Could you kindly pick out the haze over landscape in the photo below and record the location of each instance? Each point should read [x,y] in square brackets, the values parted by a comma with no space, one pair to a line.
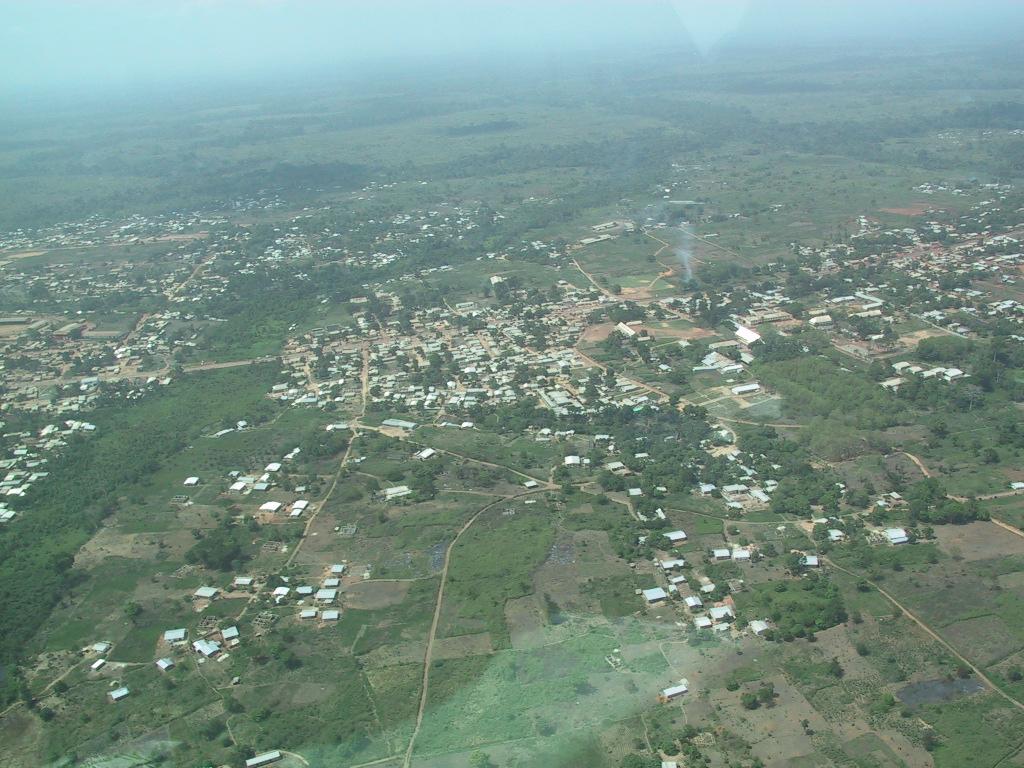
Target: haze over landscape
[97,44]
[511,384]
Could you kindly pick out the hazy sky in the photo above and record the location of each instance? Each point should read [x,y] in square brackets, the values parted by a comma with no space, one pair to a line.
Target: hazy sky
[92,44]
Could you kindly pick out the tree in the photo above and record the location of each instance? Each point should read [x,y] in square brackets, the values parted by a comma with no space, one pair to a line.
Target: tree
[766,693]
[835,668]
[132,610]
[929,740]
[480,759]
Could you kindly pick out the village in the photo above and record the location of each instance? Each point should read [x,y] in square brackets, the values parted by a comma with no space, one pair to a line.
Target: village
[393,385]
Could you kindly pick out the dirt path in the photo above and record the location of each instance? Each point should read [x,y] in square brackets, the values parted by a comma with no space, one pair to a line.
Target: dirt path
[721,248]
[939,327]
[667,273]
[932,634]
[176,290]
[919,464]
[341,464]
[591,279]
[983,497]
[364,379]
[327,497]
[758,423]
[226,364]
[428,654]
[642,385]
[1007,527]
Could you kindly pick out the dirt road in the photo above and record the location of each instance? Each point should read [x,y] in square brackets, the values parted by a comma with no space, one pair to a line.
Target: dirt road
[932,634]
[428,655]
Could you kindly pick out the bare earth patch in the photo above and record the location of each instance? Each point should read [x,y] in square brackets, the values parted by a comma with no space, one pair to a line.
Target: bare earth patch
[598,332]
[910,340]
[914,209]
[978,541]
[462,646]
[987,639]
[663,330]
[373,595]
[109,542]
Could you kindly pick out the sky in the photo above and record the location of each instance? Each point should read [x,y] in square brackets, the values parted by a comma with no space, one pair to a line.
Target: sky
[87,45]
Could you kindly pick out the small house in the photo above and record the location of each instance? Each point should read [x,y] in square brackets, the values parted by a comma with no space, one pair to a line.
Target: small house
[175,635]
[675,537]
[654,595]
[720,613]
[896,536]
[674,691]
[206,647]
[118,693]
[263,759]
[759,627]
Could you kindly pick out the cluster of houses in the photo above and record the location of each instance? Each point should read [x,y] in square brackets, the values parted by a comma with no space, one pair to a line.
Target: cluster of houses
[904,369]
[215,644]
[27,459]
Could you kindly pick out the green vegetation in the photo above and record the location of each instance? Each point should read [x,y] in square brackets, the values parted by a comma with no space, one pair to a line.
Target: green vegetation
[419,256]
[808,606]
[493,562]
[36,556]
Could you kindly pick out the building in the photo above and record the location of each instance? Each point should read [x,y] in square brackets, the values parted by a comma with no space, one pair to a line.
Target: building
[118,693]
[675,691]
[747,335]
[399,424]
[720,613]
[175,635]
[206,647]
[675,537]
[396,492]
[759,627]
[654,595]
[746,389]
[264,759]
[896,536]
